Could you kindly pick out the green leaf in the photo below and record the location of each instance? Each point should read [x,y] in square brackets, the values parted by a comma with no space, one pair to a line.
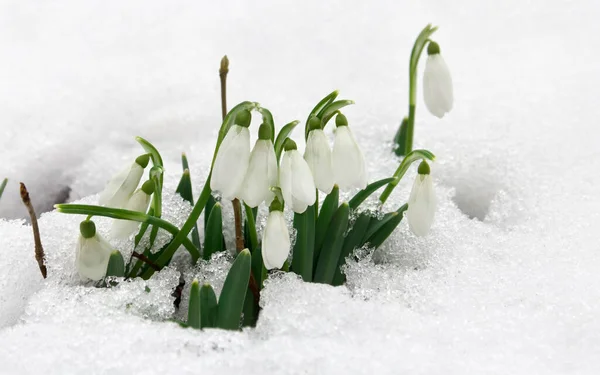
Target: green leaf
[258,267]
[250,236]
[402,168]
[352,241]
[330,205]
[116,265]
[362,195]
[184,162]
[284,133]
[376,223]
[318,108]
[143,228]
[376,239]
[208,307]
[3,186]
[213,242]
[304,248]
[231,301]
[209,205]
[400,138]
[331,109]
[268,119]
[156,175]
[332,246]
[184,189]
[194,306]
[250,311]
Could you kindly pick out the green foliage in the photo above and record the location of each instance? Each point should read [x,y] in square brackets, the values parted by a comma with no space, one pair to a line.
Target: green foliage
[231,301]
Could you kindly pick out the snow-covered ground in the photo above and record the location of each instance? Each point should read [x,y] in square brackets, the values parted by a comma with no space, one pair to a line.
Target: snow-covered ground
[508,282]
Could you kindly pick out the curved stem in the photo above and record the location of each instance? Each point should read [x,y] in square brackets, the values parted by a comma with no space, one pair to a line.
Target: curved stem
[402,168]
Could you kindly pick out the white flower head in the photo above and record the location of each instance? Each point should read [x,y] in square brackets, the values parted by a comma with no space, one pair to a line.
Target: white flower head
[348,161]
[232,158]
[421,203]
[123,184]
[92,253]
[262,171]
[318,156]
[296,180]
[437,83]
[139,202]
[275,239]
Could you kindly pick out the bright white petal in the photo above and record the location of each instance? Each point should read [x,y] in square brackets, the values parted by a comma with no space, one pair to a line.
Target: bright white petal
[139,202]
[285,177]
[437,86]
[261,174]
[231,162]
[421,205]
[92,257]
[348,161]
[121,186]
[318,158]
[303,186]
[276,241]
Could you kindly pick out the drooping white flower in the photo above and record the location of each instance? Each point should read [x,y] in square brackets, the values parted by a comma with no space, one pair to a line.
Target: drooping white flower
[421,203]
[139,202]
[348,161]
[318,156]
[437,83]
[92,252]
[232,159]
[262,171]
[123,184]
[275,240]
[296,180]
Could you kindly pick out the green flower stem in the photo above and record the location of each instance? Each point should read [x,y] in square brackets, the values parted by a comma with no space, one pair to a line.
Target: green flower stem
[251,227]
[410,129]
[2,186]
[83,209]
[402,168]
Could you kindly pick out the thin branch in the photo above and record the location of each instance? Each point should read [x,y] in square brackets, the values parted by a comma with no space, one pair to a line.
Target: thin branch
[146,260]
[39,250]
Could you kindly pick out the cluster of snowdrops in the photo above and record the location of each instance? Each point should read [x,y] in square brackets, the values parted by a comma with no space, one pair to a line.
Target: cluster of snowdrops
[274,173]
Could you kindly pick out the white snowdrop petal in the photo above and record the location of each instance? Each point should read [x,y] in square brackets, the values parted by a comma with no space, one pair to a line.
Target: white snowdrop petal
[285,177]
[261,174]
[318,158]
[139,202]
[276,241]
[348,161]
[421,205]
[231,162]
[437,86]
[92,257]
[303,183]
[121,186]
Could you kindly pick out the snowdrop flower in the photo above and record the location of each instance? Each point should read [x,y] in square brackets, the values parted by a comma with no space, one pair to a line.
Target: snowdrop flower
[262,171]
[139,202]
[296,181]
[422,202]
[122,185]
[318,156]
[437,83]
[348,161]
[275,239]
[232,158]
[93,252]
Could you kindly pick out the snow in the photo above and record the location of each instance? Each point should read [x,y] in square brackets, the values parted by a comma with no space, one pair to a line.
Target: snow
[505,283]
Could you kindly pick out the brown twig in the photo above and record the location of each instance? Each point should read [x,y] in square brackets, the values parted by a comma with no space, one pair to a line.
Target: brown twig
[39,250]
[146,260]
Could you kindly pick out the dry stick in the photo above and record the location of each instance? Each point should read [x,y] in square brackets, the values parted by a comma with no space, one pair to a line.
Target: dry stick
[39,250]
[237,207]
[146,260]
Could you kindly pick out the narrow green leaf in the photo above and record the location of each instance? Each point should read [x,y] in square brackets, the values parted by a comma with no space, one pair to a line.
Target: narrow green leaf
[304,248]
[3,186]
[209,205]
[231,301]
[352,241]
[156,175]
[284,133]
[194,306]
[208,307]
[143,228]
[328,208]
[362,195]
[184,162]
[332,246]
[250,310]
[376,223]
[213,242]
[250,236]
[322,104]
[116,265]
[184,189]
[258,267]
[377,238]
[330,110]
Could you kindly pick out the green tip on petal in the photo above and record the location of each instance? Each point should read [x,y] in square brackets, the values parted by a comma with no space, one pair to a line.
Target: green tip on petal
[424,168]
[148,187]
[433,48]
[87,229]
[289,145]
[264,131]
[276,205]
[143,160]
[341,120]
[243,118]
[314,123]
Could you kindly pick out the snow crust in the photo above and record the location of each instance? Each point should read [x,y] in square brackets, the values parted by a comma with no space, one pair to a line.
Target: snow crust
[507,281]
